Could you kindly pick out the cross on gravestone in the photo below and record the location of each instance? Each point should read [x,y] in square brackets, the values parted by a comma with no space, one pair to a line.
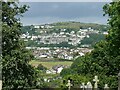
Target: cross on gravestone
[106,87]
[69,85]
[83,86]
[89,86]
[96,82]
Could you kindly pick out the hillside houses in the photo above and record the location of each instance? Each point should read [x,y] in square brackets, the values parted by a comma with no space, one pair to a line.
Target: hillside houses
[46,26]
[72,37]
[62,53]
[58,40]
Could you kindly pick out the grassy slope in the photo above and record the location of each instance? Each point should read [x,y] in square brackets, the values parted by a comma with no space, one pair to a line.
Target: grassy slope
[49,65]
[78,25]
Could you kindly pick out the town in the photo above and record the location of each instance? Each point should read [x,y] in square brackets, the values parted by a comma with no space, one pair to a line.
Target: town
[61,43]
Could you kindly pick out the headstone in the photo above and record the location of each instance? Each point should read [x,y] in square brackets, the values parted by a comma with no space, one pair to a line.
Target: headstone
[69,85]
[96,82]
[106,87]
[89,86]
[45,79]
[48,80]
[83,86]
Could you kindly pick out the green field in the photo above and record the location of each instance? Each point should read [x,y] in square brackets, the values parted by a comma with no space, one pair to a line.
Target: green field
[49,65]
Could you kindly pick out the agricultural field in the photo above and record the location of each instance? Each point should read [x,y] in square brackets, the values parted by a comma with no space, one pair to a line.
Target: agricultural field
[49,65]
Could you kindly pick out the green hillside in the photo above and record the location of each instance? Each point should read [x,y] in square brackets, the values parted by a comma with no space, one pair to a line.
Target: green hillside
[69,27]
[78,25]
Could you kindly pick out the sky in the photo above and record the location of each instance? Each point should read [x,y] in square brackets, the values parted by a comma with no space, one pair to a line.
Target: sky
[65,0]
[50,12]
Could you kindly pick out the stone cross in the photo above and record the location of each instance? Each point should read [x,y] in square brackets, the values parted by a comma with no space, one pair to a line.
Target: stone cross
[96,82]
[89,86]
[45,79]
[69,85]
[83,86]
[106,87]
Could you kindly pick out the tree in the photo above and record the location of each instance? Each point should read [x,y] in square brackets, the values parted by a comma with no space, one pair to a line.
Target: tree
[16,71]
[104,60]
[113,11]
[41,67]
[113,38]
[105,56]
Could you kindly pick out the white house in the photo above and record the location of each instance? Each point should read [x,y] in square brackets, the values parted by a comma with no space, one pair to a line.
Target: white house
[50,72]
[105,33]
[81,54]
[34,37]
[88,36]
[23,36]
[36,26]
[43,56]
[59,69]
[42,27]
[69,57]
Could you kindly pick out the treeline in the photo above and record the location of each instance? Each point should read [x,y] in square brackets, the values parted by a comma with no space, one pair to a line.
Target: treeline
[104,60]
[93,39]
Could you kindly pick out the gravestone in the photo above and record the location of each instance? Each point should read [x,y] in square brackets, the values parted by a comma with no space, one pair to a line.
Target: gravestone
[89,86]
[83,86]
[69,85]
[45,79]
[96,82]
[106,87]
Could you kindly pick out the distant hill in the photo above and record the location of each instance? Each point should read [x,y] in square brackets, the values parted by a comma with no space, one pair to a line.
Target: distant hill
[78,25]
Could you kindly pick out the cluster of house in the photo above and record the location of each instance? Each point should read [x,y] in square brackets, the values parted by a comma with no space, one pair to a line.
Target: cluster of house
[56,69]
[46,26]
[56,52]
[72,38]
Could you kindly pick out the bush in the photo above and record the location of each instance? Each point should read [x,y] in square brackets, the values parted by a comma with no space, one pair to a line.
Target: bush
[41,67]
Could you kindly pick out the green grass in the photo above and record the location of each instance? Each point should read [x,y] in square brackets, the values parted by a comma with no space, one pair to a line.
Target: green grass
[49,65]
[78,25]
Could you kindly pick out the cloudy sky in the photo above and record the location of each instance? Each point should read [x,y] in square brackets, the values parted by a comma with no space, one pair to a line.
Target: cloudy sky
[49,12]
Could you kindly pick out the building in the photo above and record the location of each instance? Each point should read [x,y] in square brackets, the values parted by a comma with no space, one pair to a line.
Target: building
[36,26]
